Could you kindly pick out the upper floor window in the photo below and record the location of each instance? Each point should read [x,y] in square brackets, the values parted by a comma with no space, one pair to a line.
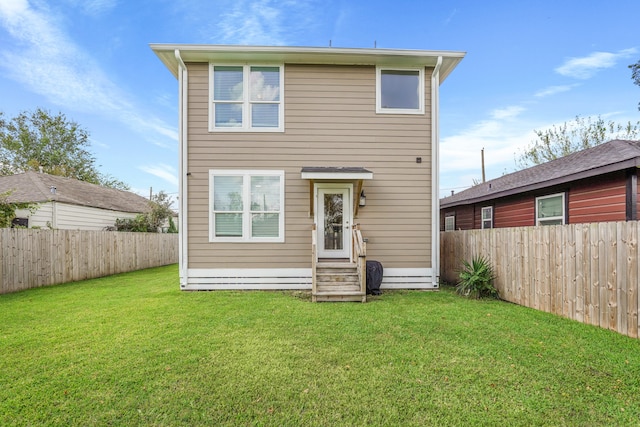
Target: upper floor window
[487,217]
[246,98]
[550,209]
[246,206]
[400,90]
[449,223]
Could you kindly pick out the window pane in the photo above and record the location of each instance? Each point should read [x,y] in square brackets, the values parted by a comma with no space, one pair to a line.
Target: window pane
[486,213]
[265,83]
[228,225]
[265,225]
[399,89]
[227,193]
[549,207]
[227,83]
[550,222]
[228,115]
[265,193]
[264,115]
[449,223]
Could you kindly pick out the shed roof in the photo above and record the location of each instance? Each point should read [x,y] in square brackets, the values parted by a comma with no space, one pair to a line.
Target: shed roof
[611,156]
[34,187]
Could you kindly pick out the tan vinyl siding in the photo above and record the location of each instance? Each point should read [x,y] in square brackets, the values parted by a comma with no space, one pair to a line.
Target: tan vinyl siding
[330,120]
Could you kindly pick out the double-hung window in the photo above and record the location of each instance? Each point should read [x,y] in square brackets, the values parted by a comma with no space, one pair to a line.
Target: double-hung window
[449,223]
[487,217]
[400,90]
[246,98]
[246,206]
[550,209]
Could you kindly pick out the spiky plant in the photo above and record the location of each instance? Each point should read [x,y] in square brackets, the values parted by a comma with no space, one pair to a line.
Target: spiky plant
[476,279]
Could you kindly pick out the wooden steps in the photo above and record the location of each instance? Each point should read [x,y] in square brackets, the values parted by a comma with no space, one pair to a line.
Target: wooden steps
[337,281]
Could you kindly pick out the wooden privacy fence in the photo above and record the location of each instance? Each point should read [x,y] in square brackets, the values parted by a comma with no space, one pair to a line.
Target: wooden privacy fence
[586,272]
[32,258]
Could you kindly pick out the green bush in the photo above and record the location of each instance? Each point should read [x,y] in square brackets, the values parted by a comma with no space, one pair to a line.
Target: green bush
[476,279]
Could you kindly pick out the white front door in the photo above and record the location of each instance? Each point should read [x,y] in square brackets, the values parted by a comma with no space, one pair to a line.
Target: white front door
[334,221]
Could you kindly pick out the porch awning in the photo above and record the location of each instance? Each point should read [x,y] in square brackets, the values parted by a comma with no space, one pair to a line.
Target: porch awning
[339,174]
[346,173]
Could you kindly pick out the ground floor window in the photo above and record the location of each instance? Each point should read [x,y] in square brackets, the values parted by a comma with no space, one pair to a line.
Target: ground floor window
[246,206]
[449,223]
[550,209]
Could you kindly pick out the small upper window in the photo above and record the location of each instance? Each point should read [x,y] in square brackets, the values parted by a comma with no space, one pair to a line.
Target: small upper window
[400,91]
[449,223]
[246,98]
[487,217]
[550,210]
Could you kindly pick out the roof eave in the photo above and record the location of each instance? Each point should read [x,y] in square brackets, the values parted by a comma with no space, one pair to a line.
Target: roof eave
[306,55]
[614,167]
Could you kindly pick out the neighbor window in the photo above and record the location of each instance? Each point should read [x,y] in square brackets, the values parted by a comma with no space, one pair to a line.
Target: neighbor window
[449,223]
[246,98]
[487,217]
[400,91]
[550,209]
[246,206]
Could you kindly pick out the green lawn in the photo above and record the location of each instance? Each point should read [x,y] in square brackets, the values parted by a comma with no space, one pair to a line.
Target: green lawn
[132,349]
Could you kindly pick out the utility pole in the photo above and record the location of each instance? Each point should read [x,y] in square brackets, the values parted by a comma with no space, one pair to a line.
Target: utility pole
[482,156]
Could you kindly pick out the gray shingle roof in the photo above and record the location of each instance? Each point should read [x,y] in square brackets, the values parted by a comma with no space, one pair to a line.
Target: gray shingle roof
[33,187]
[604,158]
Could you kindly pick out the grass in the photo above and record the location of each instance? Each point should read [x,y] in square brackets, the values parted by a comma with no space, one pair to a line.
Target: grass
[132,349]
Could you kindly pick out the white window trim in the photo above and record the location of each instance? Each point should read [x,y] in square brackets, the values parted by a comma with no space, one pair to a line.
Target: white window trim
[246,213]
[483,219]
[451,227]
[551,218]
[381,110]
[246,102]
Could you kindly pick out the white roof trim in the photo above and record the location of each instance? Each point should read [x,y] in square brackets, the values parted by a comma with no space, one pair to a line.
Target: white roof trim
[306,55]
[336,175]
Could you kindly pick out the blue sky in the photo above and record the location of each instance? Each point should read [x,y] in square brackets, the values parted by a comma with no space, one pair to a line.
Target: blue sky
[529,65]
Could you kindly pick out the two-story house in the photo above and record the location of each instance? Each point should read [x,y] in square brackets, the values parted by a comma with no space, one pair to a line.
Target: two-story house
[289,155]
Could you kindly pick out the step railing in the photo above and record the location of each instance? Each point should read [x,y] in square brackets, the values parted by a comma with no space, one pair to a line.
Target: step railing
[360,256]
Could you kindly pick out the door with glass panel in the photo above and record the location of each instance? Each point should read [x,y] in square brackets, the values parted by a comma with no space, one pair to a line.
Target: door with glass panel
[334,222]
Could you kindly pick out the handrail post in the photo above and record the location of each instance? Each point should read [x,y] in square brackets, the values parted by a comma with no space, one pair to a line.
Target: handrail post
[314,260]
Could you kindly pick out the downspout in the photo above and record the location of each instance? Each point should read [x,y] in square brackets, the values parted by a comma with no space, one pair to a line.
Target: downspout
[435,173]
[183,252]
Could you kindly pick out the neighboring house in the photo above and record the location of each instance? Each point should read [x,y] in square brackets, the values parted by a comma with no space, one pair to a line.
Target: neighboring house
[593,185]
[66,203]
[276,139]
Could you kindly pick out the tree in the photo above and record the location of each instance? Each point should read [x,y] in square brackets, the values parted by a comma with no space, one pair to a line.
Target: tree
[635,75]
[151,221]
[39,140]
[8,209]
[577,135]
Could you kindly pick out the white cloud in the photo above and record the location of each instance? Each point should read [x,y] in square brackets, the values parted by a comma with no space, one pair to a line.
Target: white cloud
[502,136]
[450,17]
[50,64]
[507,113]
[94,7]
[265,22]
[585,67]
[552,90]
[162,171]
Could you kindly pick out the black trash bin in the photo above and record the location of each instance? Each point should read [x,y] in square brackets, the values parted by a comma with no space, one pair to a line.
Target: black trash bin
[374,277]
